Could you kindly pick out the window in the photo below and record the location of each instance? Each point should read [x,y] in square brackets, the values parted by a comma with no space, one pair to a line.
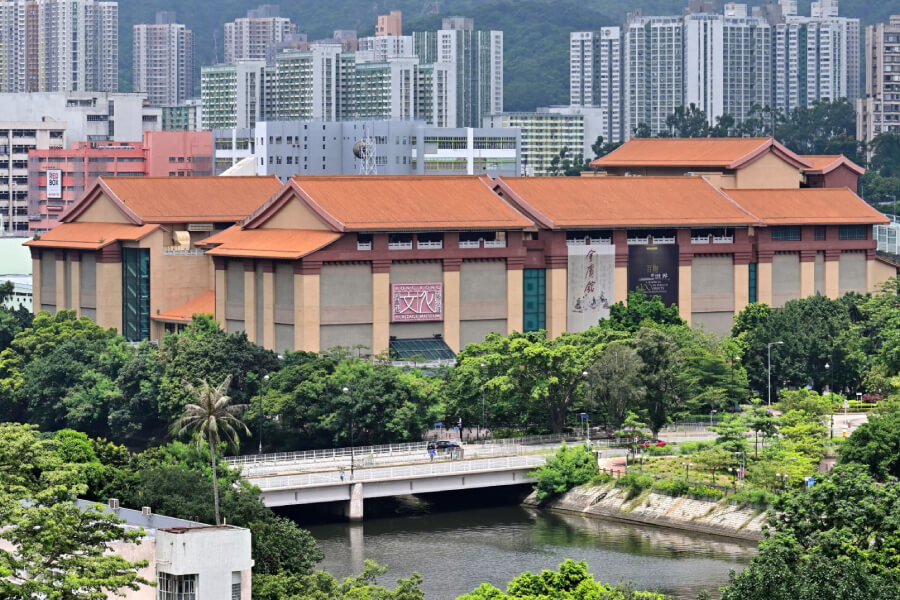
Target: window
[136,294]
[852,232]
[819,233]
[179,587]
[751,280]
[534,300]
[785,234]
[363,241]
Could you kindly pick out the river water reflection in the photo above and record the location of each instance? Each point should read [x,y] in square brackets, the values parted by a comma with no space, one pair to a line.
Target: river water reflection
[456,551]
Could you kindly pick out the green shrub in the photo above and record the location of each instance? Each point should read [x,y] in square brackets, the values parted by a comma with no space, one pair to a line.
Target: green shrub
[568,468]
[698,490]
[755,496]
[634,483]
[657,451]
[673,487]
[601,478]
[686,448]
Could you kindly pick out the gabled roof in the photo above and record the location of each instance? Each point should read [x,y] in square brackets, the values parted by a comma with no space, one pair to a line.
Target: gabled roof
[397,203]
[824,164]
[721,153]
[290,244]
[179,199]
[807,206]
[202,304]
[581,202]
[91,236]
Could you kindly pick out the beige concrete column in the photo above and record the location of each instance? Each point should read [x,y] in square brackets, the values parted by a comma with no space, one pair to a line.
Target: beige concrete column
[872,282]
[250,302]
[61,300]
[807,273]
[381,310]
[684,292]
[221,290]
[451,309]
[109,295]
[741,287]
[515,309]
[556,301]
[307,312]
[268,294]
[764,283]
[620,285]
[75,291]
[36,284]
[832,276]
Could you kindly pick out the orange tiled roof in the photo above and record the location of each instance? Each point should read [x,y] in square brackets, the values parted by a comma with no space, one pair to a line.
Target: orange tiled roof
[91,236]
[385,203]
[724,153]
[203,304]
[563,202]
[808,206]
[187,199]
[826,163]
[288,244]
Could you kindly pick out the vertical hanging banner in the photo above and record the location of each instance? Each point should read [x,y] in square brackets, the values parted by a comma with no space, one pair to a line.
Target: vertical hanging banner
[54,183]
[591,280]
[654,270]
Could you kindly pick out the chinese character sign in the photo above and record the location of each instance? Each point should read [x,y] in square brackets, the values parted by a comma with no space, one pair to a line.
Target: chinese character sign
[417,302]
[54,183]
[590,285]
[654,269]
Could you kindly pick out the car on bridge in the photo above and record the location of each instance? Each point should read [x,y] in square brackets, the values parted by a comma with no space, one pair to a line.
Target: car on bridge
[651,442]
[443,445]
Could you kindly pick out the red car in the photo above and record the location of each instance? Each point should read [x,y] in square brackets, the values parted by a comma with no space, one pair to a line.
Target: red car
[648,442]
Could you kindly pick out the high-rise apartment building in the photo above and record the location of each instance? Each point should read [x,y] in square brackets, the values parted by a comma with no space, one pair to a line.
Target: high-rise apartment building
[163,61]
[543,135]
[59,45]
[477,57]
[233,95]
[391,25]
[595,77]
[256,36]
[654,70]
[17,138]
[879,111]
[814,58]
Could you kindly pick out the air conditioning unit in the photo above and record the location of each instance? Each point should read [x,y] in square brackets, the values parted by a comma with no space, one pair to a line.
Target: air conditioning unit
[200,227]
[114,504]
[145,510]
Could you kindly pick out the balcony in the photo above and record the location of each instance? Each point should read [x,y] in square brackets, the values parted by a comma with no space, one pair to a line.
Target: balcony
[703,239]
[495,243]
[639,240]
[182,251]
[592,241]
[723,239]
[470,244]
[364,246]
[401,245]
[430,245]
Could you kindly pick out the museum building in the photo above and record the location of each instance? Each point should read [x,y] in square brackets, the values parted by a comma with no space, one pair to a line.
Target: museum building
[428,264]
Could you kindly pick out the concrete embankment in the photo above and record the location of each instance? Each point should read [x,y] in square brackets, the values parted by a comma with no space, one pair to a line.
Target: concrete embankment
[703,516]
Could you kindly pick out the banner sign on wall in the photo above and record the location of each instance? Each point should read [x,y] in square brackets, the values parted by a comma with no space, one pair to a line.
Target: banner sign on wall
[591,280]
[54,183]
[654,269]
[412,302]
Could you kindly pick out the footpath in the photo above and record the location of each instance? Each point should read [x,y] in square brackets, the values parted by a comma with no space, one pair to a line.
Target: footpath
[651,508]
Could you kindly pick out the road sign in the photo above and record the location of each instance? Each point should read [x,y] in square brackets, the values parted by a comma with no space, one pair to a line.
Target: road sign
[439,424]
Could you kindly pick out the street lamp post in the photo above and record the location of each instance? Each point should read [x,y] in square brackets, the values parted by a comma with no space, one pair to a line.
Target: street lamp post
[349,391]
[831,396]
[733,357]
[769,367]
[587,379]
[481,433]
[266,380]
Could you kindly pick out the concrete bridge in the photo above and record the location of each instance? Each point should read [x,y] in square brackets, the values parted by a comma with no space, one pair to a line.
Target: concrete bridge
[378,482]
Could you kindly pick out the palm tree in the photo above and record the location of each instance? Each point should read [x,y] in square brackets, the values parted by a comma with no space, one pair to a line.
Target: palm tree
[212,417]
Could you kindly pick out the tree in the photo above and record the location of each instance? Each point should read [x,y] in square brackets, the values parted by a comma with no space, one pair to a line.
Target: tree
[601,148]
[759,421]
[642,131]
[55,548]
[280,546]
[572,581]
[639,310]
[876,444]
[615,383]
[688,122]
[211,418]
[322,585]
[886,154]
[568,468]
[660,375]
[838,539]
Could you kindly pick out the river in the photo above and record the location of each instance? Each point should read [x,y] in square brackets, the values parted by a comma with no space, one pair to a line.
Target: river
[456,551]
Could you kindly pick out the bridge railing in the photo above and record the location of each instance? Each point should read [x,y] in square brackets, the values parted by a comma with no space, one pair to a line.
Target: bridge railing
[399,473]
[325,453]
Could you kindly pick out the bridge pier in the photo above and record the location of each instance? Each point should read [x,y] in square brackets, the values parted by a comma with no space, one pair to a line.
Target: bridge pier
[355,504]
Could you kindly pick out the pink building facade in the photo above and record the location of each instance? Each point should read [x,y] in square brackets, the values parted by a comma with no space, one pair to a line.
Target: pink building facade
[58,177]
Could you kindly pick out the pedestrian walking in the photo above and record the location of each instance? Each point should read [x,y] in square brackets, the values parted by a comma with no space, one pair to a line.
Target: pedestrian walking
[342,474]
[431,454]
